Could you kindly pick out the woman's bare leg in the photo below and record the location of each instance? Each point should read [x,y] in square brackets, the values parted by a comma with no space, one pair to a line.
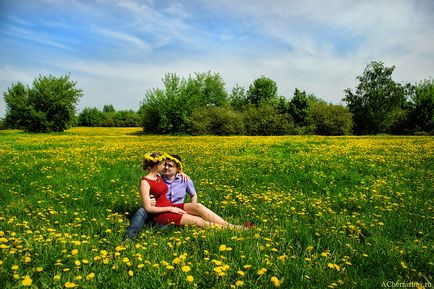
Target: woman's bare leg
[206,214]
[188,219]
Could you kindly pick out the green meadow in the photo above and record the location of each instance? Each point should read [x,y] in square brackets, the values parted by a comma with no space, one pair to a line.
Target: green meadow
[330,212]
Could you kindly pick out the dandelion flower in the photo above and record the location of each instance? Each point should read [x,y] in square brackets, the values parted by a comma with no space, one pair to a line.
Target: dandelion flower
[74,252]
[70,285]
[27,281]
[186,269]
[275,281]
[130,273]
[261,271]
[90,276]
[222,248]
[189,278]
[239,283]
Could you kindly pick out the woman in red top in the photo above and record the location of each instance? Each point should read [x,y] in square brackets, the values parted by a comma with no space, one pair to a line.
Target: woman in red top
[164,212]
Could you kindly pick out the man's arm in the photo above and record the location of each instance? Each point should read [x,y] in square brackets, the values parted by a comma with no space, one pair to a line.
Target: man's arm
[191,191]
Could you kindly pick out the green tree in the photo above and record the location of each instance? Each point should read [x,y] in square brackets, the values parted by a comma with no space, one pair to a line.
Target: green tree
[17,106]
[377,100]
[238,98]
[262,90]
[299,108]
[211,88]
[49,106]
[108,108]
[90,117]
[421,115]
[169,110]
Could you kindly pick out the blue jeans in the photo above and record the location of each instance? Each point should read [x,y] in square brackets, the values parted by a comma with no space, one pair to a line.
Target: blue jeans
[137,222]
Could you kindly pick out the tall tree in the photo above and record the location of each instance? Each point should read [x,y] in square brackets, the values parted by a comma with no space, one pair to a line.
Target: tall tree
[49,106]
[299,108]
[376,101]
[17,106]
[261,90]
[238,98]
[421,115]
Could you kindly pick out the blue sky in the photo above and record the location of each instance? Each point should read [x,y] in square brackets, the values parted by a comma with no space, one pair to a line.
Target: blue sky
[118,49]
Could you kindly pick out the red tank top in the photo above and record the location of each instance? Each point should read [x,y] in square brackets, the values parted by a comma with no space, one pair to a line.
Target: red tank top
[159,190]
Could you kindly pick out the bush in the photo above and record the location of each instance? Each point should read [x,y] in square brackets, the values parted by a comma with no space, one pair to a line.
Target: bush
[216,120]
[90,117]
[329,119]
[266,120]
[2,124]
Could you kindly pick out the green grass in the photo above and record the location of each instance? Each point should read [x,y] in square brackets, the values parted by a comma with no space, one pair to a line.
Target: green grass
[330,212]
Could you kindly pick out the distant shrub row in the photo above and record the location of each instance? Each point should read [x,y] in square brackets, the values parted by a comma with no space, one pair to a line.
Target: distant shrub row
[200,104]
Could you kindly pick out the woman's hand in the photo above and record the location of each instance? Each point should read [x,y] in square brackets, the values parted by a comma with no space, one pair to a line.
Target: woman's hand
[177,210]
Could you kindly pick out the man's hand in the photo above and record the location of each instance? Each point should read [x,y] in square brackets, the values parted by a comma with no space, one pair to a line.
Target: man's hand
[184,177]
[153,201]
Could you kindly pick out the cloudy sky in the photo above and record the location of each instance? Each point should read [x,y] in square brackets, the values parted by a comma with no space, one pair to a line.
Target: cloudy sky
[117,49]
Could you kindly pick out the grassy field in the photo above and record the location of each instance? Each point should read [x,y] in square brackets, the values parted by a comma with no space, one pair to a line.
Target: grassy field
[330,212]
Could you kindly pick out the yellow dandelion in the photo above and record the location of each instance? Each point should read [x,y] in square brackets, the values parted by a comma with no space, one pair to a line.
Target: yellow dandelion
[403,265]
[261,271]
[189,278]
[176,260]
[90,276]
[74,252]
[70,285]
[56,278]
[241,273]
[239,283]
[130,273]
[27,281]
[77,263]
[39,269]
[222,248]
[186,269]
[15,267]
[275,281]
[170,267]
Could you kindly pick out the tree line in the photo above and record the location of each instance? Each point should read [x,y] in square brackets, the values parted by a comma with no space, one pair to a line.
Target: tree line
[200,104]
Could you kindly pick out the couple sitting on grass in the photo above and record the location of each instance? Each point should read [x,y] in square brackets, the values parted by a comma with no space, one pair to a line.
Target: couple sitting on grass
[163,197]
